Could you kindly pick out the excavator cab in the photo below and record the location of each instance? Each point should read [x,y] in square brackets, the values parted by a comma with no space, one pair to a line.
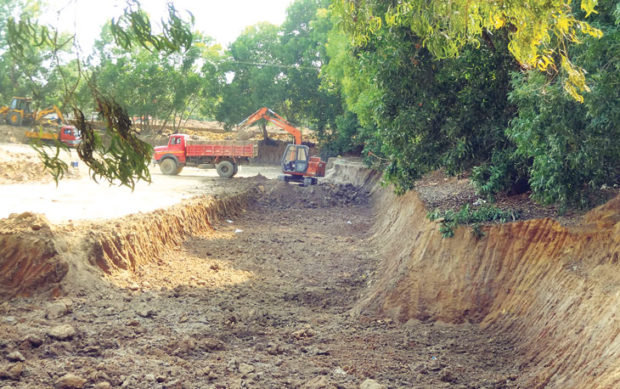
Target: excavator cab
[295,159]
[299,167]
[21,104]
[19,111]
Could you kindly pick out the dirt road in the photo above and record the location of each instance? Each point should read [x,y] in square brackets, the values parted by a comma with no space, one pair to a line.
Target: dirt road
[260,302]
[78,197]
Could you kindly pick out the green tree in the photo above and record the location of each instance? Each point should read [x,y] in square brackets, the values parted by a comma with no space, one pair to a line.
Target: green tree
[540,31]
[169,88]
[28,72]
[119,157]
[303,51]
[420,114]
[280,68]
[573,148]
[255,74]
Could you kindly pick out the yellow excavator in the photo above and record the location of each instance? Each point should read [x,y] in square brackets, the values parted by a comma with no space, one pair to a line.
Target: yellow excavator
[20,112]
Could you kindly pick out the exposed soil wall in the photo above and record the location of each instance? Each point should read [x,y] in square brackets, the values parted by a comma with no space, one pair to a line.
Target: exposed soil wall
[29,254]
[31,260]
[131,241]
[552,290]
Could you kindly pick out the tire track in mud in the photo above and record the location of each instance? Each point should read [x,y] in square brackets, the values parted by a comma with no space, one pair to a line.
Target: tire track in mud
[261,301]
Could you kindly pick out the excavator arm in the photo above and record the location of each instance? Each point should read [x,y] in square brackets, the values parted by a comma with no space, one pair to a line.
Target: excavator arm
[43,112]
[269,115]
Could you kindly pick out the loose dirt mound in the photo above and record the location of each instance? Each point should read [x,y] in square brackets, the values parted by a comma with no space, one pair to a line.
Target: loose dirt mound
[13,134]
[29,254]
[292,196]
[21,167]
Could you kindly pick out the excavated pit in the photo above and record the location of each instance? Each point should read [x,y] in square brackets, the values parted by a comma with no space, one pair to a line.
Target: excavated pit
[283,286]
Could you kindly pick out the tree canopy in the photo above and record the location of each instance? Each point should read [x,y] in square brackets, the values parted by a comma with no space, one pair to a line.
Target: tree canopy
[540,31]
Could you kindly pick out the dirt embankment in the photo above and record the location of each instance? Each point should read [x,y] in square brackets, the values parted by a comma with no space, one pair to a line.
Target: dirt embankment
[552,290]
[31,260]
[29,254]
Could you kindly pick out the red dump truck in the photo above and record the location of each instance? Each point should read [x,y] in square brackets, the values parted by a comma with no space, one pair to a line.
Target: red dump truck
[225,156]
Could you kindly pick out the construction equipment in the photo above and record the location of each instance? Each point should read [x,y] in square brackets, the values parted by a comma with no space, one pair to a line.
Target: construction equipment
[68,135]
[20,112]
[225,156]
[296,163]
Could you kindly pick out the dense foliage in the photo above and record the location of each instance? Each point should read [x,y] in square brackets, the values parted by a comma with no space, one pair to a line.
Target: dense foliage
[574,148]
[420,114]
[539,30]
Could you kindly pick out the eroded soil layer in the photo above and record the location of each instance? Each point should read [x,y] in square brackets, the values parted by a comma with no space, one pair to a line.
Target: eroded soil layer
[553,290]
[261,299]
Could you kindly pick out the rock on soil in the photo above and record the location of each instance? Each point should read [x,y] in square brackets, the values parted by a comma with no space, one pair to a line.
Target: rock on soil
[372,384]
[62,332]
[34,340]
[246,369]
[15,356]
[58,309]
[317,383]
[12,372]
[70,381]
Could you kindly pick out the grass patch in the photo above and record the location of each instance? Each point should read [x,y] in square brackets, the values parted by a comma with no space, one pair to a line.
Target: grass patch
[472,216]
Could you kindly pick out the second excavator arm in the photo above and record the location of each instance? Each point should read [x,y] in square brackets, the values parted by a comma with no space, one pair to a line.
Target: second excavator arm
[269,115]
[53,109]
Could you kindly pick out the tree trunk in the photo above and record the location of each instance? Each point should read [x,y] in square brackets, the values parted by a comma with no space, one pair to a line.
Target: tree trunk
[263,127]
[266,139]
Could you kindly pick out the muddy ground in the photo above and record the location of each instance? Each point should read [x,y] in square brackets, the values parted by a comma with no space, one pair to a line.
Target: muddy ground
[261,301]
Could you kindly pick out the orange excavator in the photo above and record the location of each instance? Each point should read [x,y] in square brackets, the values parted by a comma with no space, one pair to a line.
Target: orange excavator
[296,163]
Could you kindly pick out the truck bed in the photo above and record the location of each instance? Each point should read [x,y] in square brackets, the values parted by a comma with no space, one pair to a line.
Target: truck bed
[41,135]
[222,148]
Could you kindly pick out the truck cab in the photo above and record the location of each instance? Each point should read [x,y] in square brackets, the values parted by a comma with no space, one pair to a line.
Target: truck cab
[70,136]
[175,149]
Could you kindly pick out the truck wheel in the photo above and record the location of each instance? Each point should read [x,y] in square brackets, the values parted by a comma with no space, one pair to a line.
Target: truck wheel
[14,119]
[225,169]
[168,166]
[236,170]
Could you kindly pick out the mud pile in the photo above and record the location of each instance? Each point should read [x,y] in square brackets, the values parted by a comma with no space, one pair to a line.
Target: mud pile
[29,254]
[21,167]
[292,196]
